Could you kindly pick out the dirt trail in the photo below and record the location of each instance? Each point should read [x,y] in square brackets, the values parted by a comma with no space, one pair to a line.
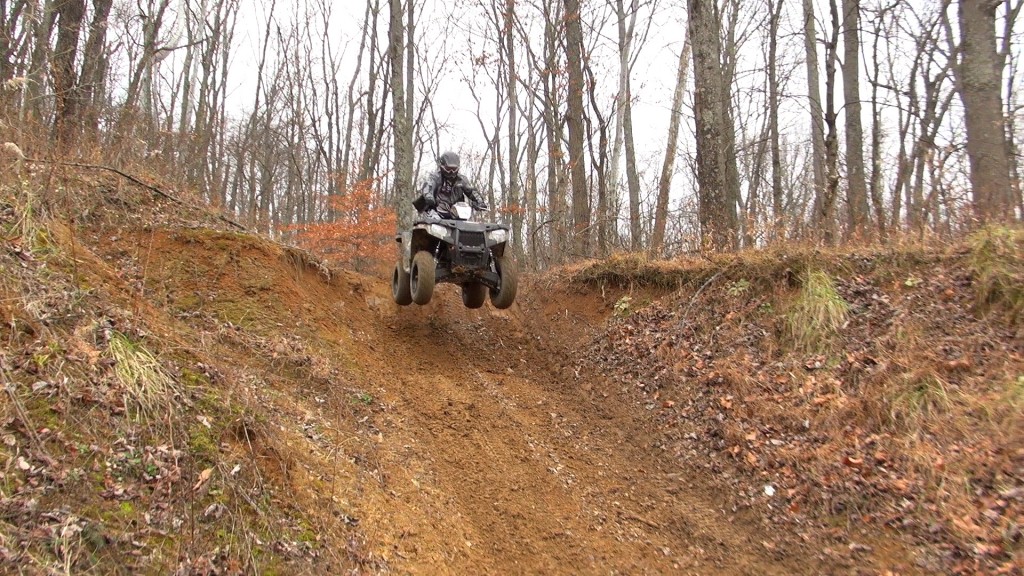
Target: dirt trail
[482,447]
[525,468]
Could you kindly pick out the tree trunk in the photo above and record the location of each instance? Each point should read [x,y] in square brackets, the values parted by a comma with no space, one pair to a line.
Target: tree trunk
[778,217]
[514,189]
[875,182]
[632,177]
[574,119]
[94,66]
[980,82]
[599,163]
[553,133]
[667,167]
[369,132]
[142,70]
[532,178]
[11,21]
[45,17]
[716,196]
[401,124]
[814,103]
[70,14]
[624,120]
[856,186]
[825,215]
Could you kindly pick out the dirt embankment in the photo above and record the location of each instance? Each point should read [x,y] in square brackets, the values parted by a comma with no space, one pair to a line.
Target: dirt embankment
[309,425]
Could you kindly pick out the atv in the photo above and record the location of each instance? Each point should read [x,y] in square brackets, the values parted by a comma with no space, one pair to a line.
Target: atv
[458,251]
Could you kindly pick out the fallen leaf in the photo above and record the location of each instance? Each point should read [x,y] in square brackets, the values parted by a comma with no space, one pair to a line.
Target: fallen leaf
[855,547]
[967,525]
[853,462]
[900,485]
[204,477]
[959,364]
[987,549]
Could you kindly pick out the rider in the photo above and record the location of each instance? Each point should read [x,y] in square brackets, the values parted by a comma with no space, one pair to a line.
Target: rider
[442,189]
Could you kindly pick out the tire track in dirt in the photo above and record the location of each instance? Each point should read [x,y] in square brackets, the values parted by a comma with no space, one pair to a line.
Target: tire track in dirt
[539,476]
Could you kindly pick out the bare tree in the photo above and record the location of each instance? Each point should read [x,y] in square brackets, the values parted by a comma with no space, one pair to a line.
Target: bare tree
[856,185]
[514,189]
[626,25]
[814,104]
[93,79]
[717,193]
[980,79]
[574,119]
[880,20]
[401,122]
[774,15]
[41,17]
[825,213]
[151,50]
[667,167]
[12,35]
[70,14]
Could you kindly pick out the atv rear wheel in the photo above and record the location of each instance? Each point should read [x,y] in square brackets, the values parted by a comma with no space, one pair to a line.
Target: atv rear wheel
[474,294]
[508,272]
[400,289]
[421,277]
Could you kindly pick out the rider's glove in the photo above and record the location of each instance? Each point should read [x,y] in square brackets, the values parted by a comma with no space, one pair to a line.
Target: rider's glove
[480,206]
[429,201]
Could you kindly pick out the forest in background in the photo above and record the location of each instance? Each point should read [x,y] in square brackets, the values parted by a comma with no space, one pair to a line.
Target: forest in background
[830,122]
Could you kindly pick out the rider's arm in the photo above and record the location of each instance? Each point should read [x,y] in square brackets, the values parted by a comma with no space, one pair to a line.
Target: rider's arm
[474,196]
[427,192]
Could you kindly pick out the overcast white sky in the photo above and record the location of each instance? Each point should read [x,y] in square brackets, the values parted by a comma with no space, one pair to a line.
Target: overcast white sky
[450,32]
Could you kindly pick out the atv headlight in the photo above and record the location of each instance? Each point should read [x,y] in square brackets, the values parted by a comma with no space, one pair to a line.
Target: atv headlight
[497,236]
[437,231]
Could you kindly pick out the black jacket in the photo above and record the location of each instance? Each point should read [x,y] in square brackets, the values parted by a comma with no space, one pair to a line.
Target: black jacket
[442,193]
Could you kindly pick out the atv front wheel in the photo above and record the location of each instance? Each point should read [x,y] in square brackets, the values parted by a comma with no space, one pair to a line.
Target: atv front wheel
[421,277]
[474,295]
[400,290]
[508,272]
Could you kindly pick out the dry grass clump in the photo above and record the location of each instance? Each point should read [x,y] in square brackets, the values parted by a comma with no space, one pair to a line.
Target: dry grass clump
[817,314]
[919,396]
[997,261]
[634,270]
[146,383]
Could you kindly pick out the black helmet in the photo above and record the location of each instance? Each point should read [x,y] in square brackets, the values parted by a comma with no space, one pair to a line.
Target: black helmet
[448,163]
